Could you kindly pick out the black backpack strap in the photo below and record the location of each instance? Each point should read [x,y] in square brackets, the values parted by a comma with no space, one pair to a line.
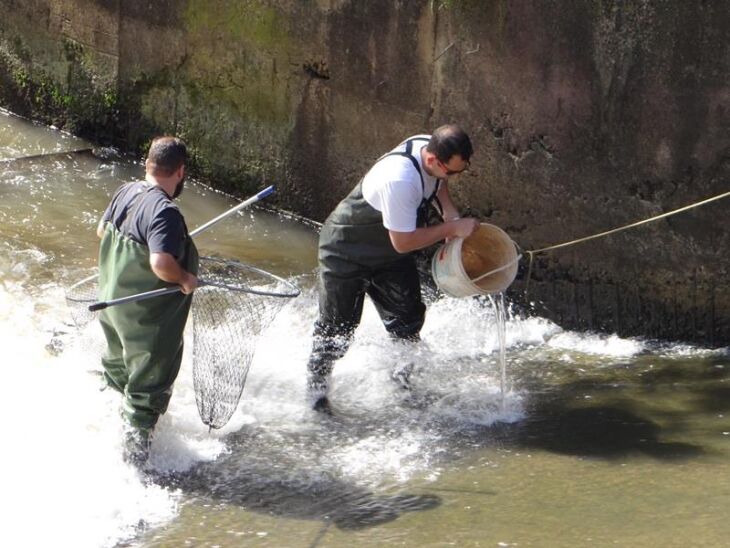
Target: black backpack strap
[435,199]
[408,153]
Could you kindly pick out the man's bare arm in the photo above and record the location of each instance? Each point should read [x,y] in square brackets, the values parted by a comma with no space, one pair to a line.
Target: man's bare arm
[166,268]
[404,242]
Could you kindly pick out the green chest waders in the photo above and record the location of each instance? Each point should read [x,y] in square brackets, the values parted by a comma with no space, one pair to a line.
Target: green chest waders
[144,338]
[356,257]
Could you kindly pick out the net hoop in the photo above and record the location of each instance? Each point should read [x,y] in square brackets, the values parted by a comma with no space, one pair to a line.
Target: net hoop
[289,290]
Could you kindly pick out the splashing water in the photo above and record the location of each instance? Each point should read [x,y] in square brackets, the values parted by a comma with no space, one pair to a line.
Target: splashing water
[500,321]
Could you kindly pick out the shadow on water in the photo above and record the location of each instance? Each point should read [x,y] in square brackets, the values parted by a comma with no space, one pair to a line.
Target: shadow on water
[286,475]
[702,383]
[608,432]
[607,414]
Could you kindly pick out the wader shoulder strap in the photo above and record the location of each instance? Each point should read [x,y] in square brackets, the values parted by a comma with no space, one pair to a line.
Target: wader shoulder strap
[435,199]
[408,153]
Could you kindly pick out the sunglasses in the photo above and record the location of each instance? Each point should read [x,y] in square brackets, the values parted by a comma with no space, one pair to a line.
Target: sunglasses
[450,172]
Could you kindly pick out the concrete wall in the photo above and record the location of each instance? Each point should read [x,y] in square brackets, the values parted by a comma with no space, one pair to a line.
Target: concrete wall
[585,116]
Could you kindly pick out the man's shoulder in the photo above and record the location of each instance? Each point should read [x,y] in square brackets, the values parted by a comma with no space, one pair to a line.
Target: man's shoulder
[417,141]
[128,188]
[162,204]
[396,169]
[125,195]
[157,206]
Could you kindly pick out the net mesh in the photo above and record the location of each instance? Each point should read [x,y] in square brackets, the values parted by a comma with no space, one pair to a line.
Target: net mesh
[78,298]
[228,316]
[227,322]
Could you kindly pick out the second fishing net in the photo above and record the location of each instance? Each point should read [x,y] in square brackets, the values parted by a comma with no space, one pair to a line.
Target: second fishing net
[229,315]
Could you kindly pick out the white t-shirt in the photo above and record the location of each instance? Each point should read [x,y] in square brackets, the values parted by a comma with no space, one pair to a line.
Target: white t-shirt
[393,187]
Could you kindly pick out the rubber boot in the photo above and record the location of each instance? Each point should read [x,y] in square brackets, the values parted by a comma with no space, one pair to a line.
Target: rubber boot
[136,450]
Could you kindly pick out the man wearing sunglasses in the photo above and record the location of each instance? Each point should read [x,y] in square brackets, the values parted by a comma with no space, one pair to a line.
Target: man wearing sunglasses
[365,246]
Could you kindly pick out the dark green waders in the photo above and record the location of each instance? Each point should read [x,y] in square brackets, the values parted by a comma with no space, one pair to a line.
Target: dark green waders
[144,338]
[356,257]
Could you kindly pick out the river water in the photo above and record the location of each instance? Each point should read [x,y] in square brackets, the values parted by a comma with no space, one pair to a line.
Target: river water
[597,441]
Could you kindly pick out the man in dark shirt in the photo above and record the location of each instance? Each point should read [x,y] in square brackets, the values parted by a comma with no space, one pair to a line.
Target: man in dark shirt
[145,245]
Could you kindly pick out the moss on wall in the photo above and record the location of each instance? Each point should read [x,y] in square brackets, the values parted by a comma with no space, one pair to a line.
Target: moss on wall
[254,22]
[237,52]
[77,104]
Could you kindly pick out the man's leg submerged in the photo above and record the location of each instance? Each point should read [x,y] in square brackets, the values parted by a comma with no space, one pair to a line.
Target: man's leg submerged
[329,344]
[341,298]
[396,293]
[146,397]
[152,363]
[149,389]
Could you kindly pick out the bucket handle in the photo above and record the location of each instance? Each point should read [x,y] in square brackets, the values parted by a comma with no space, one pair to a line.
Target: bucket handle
[503,267]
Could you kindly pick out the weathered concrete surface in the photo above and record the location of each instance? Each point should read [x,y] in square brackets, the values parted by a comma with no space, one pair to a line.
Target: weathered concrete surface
[585,116]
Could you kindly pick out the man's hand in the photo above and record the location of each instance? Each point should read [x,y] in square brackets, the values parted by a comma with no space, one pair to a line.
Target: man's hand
[166,268]
[404,242]
[463,228]
[189,283]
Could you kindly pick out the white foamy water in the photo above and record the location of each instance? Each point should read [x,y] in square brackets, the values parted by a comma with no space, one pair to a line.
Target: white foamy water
[62,466]
[63,461]
[596,344]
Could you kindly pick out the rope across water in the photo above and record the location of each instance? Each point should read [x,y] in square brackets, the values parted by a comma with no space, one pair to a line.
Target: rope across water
[534,252]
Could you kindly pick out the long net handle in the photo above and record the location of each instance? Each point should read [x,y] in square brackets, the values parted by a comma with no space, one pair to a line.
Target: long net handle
[253,199]
[260,196]
[101,305]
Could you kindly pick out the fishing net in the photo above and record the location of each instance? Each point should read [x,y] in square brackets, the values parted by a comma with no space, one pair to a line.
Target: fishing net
[229,314]
[79,297]
[233,305]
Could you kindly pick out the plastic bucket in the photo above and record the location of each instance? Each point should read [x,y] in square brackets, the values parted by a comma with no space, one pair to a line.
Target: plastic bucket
[484,263]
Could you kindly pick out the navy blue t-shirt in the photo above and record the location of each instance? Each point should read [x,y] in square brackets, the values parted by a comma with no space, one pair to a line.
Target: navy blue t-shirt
[154,219]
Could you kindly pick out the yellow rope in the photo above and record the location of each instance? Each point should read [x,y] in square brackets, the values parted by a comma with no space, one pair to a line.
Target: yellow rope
[533,252]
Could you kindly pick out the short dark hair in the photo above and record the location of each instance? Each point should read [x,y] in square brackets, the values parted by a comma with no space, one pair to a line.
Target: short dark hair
[449,140]
[166,155]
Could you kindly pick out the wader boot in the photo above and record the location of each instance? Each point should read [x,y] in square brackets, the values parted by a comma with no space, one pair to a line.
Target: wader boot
[136,448]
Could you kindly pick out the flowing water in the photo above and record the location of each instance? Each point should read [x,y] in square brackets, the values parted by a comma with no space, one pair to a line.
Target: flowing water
[586,440]
[500,326]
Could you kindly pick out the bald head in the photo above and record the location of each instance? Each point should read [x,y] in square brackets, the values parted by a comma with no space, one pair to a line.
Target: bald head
[448,140]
